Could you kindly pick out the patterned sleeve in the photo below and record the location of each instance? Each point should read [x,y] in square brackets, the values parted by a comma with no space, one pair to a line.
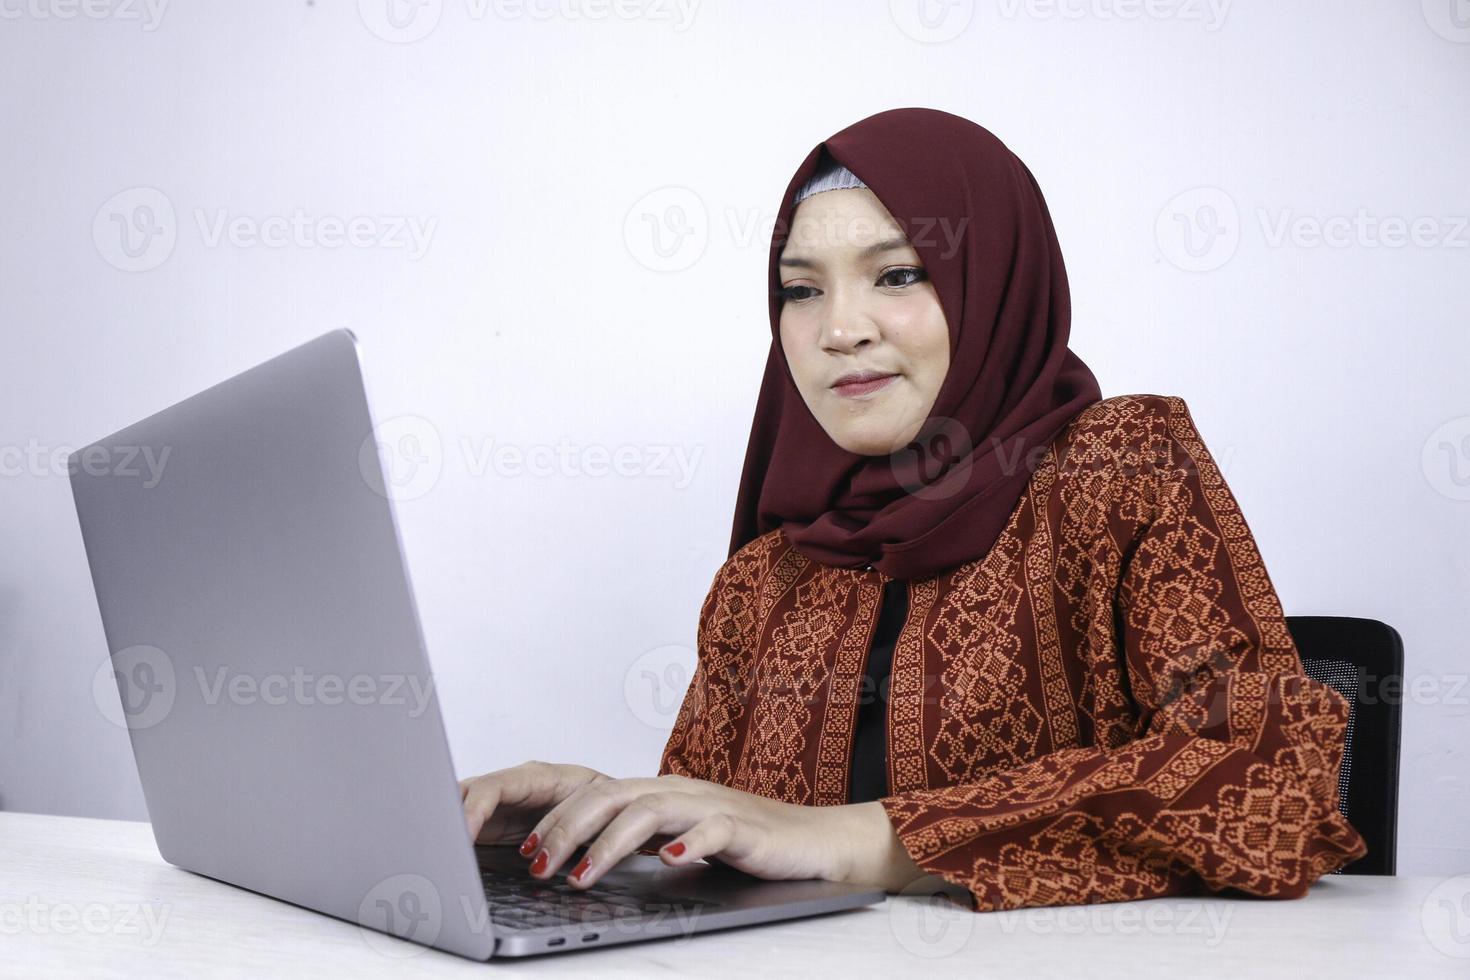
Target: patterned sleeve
[1231,779]
[693,749]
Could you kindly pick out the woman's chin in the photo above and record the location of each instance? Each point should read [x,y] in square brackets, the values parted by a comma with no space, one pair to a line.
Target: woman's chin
[869,440]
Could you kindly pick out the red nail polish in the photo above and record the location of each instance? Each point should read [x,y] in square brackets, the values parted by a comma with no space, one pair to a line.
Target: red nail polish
[581,867]
[539,865]
[675,849]
[529,844]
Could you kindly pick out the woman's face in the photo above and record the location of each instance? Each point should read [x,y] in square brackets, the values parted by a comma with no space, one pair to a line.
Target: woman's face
[856,300]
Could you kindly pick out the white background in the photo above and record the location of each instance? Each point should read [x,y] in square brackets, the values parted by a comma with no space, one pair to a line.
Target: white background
[1328,379]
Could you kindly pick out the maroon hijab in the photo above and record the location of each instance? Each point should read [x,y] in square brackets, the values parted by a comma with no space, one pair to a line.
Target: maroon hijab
[975,215]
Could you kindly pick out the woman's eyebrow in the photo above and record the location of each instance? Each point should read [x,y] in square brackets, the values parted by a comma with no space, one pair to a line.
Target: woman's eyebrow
[887,245]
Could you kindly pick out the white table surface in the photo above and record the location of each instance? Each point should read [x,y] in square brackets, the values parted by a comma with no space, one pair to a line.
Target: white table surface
[93,898]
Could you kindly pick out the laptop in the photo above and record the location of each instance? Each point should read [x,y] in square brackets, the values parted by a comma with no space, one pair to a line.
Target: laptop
[272,675]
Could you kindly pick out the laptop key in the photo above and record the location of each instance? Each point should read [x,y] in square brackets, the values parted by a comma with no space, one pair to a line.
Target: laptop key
[518,902]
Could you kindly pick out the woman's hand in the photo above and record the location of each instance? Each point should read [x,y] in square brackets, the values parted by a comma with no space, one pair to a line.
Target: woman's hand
[500,806]
[760,836]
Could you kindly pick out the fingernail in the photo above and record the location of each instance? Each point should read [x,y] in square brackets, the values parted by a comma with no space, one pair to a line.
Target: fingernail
[675,849]
[539,865]
[581,867]
[529,844]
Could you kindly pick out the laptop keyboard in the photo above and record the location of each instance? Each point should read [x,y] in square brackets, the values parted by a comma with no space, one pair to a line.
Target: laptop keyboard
[522,902]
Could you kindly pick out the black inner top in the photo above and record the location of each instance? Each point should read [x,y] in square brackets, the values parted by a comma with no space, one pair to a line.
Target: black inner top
[870,742]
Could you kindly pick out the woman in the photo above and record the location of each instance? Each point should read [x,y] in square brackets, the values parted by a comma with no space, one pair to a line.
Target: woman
[977,621]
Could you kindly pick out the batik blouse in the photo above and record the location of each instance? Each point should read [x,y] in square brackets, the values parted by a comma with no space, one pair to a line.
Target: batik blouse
[1106,706]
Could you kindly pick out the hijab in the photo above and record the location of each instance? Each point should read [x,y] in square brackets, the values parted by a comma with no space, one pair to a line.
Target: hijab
[975,215]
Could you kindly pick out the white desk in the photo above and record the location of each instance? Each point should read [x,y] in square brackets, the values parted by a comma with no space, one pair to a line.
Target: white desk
[93,898]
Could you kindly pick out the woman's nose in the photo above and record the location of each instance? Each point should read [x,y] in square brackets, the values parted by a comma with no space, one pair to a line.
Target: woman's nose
[846,326]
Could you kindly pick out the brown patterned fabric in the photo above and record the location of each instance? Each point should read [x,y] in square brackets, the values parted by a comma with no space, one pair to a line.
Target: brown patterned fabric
[1107,706]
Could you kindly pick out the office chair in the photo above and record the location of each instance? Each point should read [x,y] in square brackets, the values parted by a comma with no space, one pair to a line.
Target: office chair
[1363,660]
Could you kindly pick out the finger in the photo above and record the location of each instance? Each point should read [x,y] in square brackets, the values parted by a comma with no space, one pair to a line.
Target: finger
[640,819]
[577,818]
[536,784]
[555,786]
[717,833]
[479,803]
[551,842]
[522,785]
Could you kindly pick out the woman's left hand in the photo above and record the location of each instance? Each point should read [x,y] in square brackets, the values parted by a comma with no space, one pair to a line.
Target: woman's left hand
[763,837]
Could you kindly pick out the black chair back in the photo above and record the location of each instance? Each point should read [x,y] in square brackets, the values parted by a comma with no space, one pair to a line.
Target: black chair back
[1363,660]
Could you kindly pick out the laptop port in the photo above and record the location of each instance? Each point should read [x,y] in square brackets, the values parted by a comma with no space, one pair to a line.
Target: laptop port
[590,937]
[560,940]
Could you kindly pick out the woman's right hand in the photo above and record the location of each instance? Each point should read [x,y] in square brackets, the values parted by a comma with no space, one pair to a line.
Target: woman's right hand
[503,806]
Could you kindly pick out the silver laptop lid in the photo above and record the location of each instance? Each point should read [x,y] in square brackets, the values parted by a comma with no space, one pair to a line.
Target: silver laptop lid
[268,654]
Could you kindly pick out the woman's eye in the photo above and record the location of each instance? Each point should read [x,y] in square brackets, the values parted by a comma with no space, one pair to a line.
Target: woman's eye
[792,293]
[895,278]
[916,274]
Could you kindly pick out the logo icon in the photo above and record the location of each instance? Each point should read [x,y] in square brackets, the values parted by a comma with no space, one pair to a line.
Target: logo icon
[929,924]
[1450,19]
[654,685]
[936,463]
[667,230]
[135,230]
[1446,917]
[407,906]
[135,687]
[932,21]
[1199,229]
[401,459]
[401,21]
[1446,459]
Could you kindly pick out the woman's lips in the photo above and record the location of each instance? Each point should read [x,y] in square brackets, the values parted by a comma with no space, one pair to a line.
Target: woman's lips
[858,388]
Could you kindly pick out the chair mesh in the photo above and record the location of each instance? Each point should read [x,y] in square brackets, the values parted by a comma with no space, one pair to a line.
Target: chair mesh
[1342,677]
